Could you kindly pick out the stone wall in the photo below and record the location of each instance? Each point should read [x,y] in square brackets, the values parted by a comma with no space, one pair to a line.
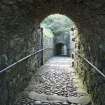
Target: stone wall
[90,48]
[91,40]
[18,38]
[48,43]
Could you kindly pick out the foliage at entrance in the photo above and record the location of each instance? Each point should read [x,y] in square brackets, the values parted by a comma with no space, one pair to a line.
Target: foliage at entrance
[57,23]
[47,32]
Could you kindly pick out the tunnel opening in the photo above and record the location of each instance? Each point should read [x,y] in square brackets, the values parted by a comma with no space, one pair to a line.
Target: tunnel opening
[19,33]
[58,34]
[60,37]
[60,49]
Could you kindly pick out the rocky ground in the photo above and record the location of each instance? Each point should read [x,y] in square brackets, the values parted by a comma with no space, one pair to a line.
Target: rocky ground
[56,78]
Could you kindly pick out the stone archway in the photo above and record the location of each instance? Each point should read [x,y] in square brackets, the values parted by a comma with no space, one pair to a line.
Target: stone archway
[88,15]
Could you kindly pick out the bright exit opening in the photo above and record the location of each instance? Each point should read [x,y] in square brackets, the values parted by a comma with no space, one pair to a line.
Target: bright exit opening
[59,34]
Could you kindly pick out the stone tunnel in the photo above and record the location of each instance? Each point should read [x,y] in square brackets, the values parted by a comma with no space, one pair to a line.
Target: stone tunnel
[20,35]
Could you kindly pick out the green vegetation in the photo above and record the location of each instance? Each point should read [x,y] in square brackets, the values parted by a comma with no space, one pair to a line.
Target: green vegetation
[57,23]
[47,32]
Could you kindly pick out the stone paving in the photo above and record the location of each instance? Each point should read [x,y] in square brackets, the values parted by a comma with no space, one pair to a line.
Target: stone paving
[57,77]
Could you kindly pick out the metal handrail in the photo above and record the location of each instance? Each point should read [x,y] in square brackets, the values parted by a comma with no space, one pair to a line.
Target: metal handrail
[98,70]
[15,63]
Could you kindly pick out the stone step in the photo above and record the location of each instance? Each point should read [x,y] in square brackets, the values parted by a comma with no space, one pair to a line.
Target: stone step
[34,98]
[83,100]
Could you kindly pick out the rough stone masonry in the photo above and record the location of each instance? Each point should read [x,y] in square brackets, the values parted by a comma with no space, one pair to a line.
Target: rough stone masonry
[18,22]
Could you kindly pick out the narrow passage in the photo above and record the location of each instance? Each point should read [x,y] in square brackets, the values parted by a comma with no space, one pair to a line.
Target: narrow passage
[57,77]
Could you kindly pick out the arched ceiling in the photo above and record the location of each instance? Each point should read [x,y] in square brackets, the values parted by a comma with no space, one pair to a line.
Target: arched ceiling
[75,9]
[47,7]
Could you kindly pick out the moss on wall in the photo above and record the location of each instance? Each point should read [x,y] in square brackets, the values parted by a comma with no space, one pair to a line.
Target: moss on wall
[18,38]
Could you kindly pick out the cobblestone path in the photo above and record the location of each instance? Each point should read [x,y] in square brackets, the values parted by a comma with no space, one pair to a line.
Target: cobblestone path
[57,77]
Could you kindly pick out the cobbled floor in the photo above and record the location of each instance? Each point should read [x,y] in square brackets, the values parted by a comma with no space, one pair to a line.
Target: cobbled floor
[58,77]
